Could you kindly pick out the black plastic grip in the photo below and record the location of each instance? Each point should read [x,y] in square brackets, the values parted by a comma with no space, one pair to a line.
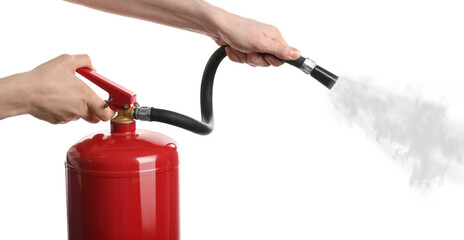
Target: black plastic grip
[296,63]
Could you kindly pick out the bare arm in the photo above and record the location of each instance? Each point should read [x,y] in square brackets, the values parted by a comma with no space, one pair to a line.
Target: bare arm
[246,37]
[13,95]
[188,15]
[53,93]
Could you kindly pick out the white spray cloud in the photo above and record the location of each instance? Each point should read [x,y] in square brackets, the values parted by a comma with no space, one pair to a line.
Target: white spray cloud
[419,131]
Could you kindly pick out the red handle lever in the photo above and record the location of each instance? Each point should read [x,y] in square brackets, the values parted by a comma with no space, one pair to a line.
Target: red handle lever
[120,97]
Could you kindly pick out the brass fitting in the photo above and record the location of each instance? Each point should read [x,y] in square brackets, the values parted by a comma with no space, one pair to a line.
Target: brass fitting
[124,116]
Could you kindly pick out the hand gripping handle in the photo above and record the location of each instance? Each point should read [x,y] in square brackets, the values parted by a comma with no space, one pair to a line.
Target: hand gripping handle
[120,97]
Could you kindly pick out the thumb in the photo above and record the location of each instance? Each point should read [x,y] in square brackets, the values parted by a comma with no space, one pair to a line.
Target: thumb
[96,106]
[282,50]
[81,60]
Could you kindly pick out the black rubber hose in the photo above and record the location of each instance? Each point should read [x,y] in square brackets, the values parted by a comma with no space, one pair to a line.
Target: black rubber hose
[206,126]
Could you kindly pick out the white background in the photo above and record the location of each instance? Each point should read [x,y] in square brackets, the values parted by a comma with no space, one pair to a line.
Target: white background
[278,165]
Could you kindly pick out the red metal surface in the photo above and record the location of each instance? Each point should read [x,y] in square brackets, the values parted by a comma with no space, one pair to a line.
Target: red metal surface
[120,95]
[123,185]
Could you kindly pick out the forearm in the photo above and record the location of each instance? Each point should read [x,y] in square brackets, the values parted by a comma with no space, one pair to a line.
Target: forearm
[246,38]
[13,95]
[192,15]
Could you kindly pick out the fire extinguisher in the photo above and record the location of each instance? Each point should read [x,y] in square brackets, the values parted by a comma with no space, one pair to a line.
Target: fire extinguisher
[122,184]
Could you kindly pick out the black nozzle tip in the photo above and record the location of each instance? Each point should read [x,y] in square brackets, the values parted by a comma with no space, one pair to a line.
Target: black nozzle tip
[325,77]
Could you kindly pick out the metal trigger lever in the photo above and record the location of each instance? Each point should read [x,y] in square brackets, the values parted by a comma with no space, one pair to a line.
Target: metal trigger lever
[110,99]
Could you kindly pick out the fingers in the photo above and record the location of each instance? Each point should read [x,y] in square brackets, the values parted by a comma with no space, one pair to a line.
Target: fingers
[74,62]
[232,56]
[275,44]
[96,107]
[282,50]
[241,55]
[91,118]
[272,60]
[81,60]
[249,37]
[56,80]
[252,59]
[219,41]
[92,110]
[257,59]
[270,40]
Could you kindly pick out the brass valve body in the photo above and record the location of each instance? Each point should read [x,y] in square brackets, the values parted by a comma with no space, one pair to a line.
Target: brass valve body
[124,116]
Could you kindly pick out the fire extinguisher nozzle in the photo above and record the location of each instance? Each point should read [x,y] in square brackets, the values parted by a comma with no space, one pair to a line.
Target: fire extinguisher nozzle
[325,77]
[309,67]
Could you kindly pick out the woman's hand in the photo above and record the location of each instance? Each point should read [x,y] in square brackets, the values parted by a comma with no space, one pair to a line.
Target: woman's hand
[249,39]
[51,92]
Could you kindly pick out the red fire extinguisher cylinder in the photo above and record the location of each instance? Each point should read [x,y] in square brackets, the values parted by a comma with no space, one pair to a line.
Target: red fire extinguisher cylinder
[122,184]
